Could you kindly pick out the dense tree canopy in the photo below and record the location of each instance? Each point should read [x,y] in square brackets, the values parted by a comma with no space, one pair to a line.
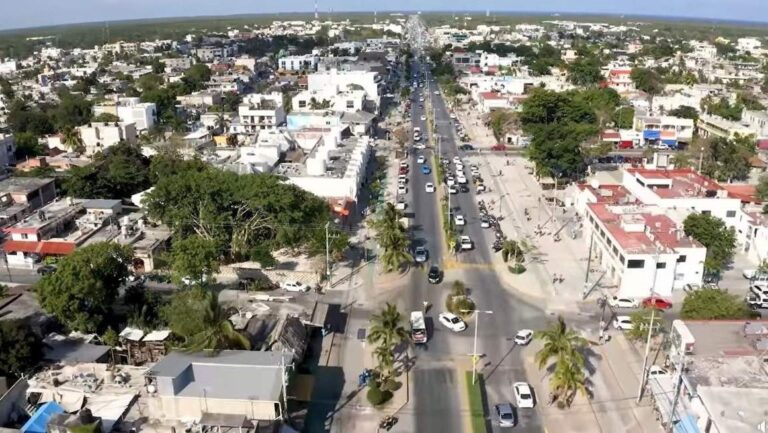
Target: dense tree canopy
[195,258]
[585,71]
[21,350]
[712,232]
[118,172]
[647,80]
[723,108]
[727,160]
[713,304]
[81,292]
[241,213]
[685,111]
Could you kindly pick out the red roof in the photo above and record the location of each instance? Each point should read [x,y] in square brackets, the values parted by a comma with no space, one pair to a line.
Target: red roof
[492,95]
[475,70]
[55,248]
[744,192]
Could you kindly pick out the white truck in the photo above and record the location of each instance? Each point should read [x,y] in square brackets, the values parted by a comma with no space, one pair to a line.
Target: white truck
[418,328]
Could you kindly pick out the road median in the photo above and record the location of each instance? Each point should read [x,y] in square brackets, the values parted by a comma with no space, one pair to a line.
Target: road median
[475,395]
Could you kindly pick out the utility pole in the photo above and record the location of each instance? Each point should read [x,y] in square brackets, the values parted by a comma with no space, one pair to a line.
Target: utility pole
[475,355]
[644,374]
[327,256]
[678,386]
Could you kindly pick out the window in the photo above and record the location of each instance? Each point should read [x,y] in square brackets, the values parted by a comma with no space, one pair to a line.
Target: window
[615,250]
[302,104]
[621,258]
[681,258]
[706,212]
[661,265]
[730,214]
[635,264]
[350,103]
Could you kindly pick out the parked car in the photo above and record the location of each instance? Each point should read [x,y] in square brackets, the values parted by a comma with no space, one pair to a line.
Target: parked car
[505,415]
[498,147]
[294,286]
[46,269]
[452,322]
[617,302]
[420,255]
[453,189]
[657,302]
[485,222]
[466,147]
[401,205]
[655,370]
[420,159]
[463,188]
[450,181]
[434,275]
[402,189]
[459,220]
[523,337]
[523,395]
[429,187]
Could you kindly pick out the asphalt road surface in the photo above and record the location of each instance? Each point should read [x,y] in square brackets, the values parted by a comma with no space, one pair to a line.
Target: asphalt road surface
[435,376]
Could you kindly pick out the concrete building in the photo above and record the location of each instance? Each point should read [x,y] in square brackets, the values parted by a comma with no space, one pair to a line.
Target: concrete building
[7,150]
[141,114]
[200,99]
[642,250]
[259,112]
[370,82]
[98,136]
[33,192]
[178,64]
[715,126]
[307,62]
[619,79]
[244,384]
[667,130]
[345,101]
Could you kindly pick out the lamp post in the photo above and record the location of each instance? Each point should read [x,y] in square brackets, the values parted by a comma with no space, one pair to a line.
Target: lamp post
[474,344]
[644,371]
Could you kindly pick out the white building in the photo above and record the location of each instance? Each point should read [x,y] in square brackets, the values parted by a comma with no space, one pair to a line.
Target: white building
[642,250]
[670,130]
[370,82]
[8,66]
[329,99]
[142,114]
[306,62]
[259,112]
[98,136]
[748,45]
[178,64]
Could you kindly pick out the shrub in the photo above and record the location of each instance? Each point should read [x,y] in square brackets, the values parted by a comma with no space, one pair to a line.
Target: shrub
[517,269]
[376,396]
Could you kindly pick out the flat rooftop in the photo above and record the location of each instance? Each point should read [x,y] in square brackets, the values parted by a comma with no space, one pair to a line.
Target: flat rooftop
[608,194]
[677,183]
[725,337]
[735,410]
[51,213]
[336,165]
[23,185]
[650,226]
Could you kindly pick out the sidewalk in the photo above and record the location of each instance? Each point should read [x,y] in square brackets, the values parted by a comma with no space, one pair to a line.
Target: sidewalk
[615,374]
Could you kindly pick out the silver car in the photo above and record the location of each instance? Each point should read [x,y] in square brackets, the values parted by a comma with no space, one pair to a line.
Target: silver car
[505,415]
[420,255]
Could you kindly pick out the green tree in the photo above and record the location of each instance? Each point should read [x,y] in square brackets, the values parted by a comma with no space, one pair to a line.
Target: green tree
[111,339]
[713,304]
[712,232]
[195,315]
[23,118]
[72,139]
[565,347]
[106,118]
[641,320]
[685,111]
[512,249]
[196,77]
[6,89]
[566,381]
[762,187]
[728,160]
[81,292]
[195,258]
[27,146]
[22,348]
[623,117]
[503,122]
[585,71]
[117,173]
[392,237]
[149,82]
[387,328]
[73,110]
[648,81]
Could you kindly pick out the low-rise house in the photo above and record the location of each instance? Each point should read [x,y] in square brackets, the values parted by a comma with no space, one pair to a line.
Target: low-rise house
[200,99]
[247,384]
[98,136]
[7,150]
[667,130]
[31,192]
[306,62]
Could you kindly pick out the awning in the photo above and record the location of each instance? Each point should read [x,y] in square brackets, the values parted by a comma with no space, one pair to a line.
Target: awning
[687,425]
[651,134]
[56,248]
[20,246]
[671,142]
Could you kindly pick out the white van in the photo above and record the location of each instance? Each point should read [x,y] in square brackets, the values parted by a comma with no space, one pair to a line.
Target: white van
[416,134]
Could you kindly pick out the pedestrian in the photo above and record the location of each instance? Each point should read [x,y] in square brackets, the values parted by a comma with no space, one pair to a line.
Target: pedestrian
[426,305]
[601,335]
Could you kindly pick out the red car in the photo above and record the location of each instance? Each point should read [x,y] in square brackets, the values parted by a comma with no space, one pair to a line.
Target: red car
[656,302]
[499,147]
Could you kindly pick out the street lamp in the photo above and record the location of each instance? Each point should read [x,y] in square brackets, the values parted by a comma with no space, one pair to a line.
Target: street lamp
[475,355]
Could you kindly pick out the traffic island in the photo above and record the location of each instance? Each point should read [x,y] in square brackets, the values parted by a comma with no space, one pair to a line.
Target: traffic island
[475,394]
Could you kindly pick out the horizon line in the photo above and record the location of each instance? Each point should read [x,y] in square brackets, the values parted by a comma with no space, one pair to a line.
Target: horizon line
[673,18]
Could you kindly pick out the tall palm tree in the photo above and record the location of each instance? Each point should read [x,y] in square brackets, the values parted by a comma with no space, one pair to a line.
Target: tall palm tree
[222,123]
[71,137]
[385,358]
[512,249]
[387,328]
[395,252]
[566,382]
[219,333]
[561,343]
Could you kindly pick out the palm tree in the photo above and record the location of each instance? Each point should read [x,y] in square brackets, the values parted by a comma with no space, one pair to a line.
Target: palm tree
[392,236]
[222,123]
[387,328]
[514,249]
[71,137]
[561,343]
[385,359]
[566,381]
[219,334]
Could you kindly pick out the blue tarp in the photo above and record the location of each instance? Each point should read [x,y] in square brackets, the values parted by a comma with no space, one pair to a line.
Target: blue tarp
[670,143]
[652,134]
[38,423]
[687,425]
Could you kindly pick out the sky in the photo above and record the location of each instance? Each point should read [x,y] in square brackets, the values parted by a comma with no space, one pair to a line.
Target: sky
[31,13]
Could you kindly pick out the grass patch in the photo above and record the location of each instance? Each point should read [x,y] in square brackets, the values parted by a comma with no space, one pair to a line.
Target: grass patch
[476,408]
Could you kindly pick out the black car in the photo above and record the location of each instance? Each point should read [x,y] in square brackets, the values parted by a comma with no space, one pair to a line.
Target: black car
[463,188]
[466,147]
[46,269]
[435,275]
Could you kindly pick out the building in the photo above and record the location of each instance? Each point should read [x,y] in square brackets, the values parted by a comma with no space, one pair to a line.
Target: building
[31,192]
[200,99]
[716,126]
[307,62]
[209,54]
[245,384]
[141,114]
[642,250]
[619,79]
[178,64]
[7,150]
[371,83]
[344,101]
[98,136]
[259,112]
[748,45]
[667,130]
[719,369]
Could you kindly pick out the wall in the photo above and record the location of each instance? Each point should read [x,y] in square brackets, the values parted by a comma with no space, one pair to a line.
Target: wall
[188,408]
[13,401]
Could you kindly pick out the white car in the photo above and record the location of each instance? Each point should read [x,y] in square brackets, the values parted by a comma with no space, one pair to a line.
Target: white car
[450,181]
[437,92]
[420,159]
[523,337]
[294,286]
[459,220]
[401,205]
[402,178]
[461,180]
[749,273]
[453,189]
[655,370]
[465,242]
[523,395]
[453,115]
[402,189]
[617,302]
[429,187]
[452,322]
[459,166]
[456,159]
[623,323]
[419,145]
[422,98]
[420,255]
[423,117]
[404,164]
